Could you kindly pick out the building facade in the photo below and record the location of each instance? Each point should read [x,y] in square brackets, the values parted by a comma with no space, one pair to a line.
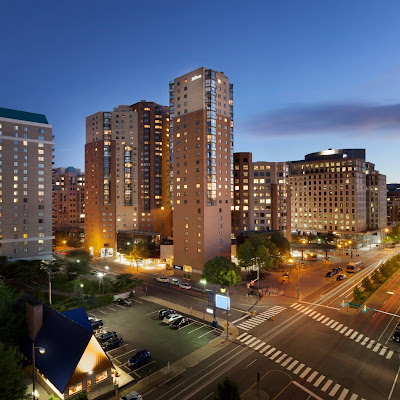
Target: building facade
[201,121]
[126,174]
[261,196]
[26,154]
[336,191]
[68,199]
[393,204]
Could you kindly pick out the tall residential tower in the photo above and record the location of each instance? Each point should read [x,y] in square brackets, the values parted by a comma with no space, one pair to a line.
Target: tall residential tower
[201,113]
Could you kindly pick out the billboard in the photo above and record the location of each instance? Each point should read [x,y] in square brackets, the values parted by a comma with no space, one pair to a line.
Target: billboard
[223,302]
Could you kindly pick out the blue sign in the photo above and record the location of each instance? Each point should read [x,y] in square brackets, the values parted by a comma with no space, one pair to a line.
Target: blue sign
[223,302]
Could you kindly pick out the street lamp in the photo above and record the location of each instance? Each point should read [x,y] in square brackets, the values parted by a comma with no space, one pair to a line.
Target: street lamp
[41,351]
[204,283]
[64,243]
[225,290]
[101,276]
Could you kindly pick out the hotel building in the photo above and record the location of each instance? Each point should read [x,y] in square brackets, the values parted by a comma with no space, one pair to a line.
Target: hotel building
[393,204]
[126,174]
[337,191]
[26,154]
[261,196]
[201,118]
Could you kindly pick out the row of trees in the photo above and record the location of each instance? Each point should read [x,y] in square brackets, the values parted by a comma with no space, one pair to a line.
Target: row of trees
[380,276]
[264,252]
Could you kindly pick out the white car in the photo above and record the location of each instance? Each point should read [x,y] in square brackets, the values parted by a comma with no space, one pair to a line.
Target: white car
[131,396]
[162,279]
[173,281]
[185,286]
[171,318]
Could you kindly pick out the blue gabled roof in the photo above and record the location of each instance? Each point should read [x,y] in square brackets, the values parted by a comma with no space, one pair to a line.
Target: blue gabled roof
[65,342]
[23,115]
[79,316]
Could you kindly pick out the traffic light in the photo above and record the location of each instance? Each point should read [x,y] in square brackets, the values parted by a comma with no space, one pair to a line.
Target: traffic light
[343,303]
[364,308]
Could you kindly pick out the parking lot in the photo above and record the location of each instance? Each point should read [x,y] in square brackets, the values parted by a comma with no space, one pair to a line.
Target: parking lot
[140,328]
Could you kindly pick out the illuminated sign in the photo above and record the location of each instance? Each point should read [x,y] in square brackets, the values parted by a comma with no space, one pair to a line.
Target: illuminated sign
[210,310]
[196,77]
[223,302]
[178,266]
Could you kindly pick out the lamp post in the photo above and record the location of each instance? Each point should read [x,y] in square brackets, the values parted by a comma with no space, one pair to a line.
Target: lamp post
[101,276]
[298,281]
[41,351]
[64,243]
[223,290]
[204,282]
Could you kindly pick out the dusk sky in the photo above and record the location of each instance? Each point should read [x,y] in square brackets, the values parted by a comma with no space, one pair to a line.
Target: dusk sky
[308,75]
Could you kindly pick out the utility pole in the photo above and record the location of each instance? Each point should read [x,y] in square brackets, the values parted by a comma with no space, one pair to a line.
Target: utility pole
[298,281]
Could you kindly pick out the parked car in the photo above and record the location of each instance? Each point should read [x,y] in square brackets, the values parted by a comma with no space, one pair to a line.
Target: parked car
[341,277]
[124,302]
[131,396]
[339,268]
[164,312]
[185,286]
[140,358]
[162,279]
[103,337]
[396,336]
[178,323]
[112,343]
[171,318]
[96,323]
[334,271]
[173,281]
[329,274]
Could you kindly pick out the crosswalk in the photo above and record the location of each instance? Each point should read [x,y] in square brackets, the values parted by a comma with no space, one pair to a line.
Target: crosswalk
[310,376]
[260,318]
[358,337]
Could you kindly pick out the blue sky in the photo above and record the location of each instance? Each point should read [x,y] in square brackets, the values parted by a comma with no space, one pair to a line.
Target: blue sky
[308,75]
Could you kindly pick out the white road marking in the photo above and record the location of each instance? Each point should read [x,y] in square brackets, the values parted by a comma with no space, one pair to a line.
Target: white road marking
[254,343]
[153,312]
[343,394]
[330,322]
[319,319]
[348,332]
[338,327]
[298,369]
[343,330]
[265,348]
[375,349]
[204,334]
[327,384]
[250,363]
[334,390]
[307,391]
[269,351]
[101,311]
[334,324]
[364,342]
[121,306]
[259,346]
[250,340]
[353,396]
[290,367]
[111,309]
[370,344]
[389,354]
[287,361]
[242,335]
[312,376]
[305,372]
[360,336]
[394,384]
[354,335]
[275,355]
[280,359]
[130,351]
[314,312]
[326,319]
[244,316]
[319,380]
[383,351]
[316,315]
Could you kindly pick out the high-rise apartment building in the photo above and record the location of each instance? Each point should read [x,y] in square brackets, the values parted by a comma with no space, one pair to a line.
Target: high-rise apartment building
[393,204]
[68,199]
[337,191]
[126,174]
[261,195]
[26,154]
[201,112]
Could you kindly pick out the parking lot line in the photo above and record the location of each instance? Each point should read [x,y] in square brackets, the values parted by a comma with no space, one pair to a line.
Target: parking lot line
[198,337]
[153,312]
[120,306]
[126,344]
[130,351]
[183,327]
[195,329]
[145,365]
[137,301]
[101,311]
[111,309]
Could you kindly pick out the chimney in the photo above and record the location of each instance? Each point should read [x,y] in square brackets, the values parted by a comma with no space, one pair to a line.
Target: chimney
[34,319]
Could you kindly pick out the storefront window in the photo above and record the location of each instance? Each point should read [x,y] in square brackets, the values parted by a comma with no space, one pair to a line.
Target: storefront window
[75,389]
[101,377]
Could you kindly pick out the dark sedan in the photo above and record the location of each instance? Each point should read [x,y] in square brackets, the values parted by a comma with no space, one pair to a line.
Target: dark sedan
[103,337]
[163,313]
[179,323]
[112,343]
[140,358]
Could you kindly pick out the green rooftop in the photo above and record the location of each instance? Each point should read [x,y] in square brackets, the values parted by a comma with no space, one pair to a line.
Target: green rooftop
[23,116]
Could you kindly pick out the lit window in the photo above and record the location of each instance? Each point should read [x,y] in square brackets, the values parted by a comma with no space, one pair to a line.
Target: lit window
[101,377]
[75,389]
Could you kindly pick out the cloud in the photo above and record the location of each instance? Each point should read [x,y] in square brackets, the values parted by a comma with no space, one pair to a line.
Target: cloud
[341,118]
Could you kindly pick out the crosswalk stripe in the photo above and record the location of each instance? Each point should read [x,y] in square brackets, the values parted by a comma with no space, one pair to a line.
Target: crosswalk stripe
[330,322]
[275,355]
[319,319]
[314,312]
[334,390]
[265,348]
[348,332]
[300,308]
[298,369]
[338,327]
[307,312]
[259,345]
[287,361]
[327,384]
[383,351]
[316,315]
[254,343]
[290,367]
[389,354]
[364,342]
[370,344]
[319,380]
[278,360]
[305,372]
[312,376]
[242,327]
[250,340]
[343,394]
[240,336]
[294,305]
[323,321]
[354,335]
[360,336]
[375,349]
[353,396]
[343,330]
[245,337]
[269,351]
[333,325]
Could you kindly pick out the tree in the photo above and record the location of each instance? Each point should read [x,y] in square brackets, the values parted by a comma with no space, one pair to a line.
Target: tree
[136,252]
[125,282]
[227,390]
[12,382]
[12,317]
[78,262]
[282,244]
[368,285]
[221,271]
